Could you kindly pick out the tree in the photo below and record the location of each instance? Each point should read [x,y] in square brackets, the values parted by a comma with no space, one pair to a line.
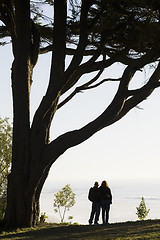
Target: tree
[96,34]
[64,199]
[5,161]
[142,211]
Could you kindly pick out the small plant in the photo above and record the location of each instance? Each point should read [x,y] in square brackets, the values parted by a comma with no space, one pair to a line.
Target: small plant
[142,211]
[70,219]
[43,217]
[64,200]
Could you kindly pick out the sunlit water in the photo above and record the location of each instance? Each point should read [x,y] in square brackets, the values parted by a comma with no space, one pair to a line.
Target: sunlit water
[126,197]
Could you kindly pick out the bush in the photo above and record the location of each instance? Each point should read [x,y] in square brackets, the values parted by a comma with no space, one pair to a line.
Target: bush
[43,217]
[142,211]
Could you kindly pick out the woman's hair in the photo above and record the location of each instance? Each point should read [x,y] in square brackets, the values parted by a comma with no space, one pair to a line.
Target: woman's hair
[104,184]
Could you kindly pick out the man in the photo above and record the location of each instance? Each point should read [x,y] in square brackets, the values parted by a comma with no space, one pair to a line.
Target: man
[95,197]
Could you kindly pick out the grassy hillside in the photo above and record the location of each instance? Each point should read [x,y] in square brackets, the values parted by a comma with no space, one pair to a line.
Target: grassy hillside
[149,229]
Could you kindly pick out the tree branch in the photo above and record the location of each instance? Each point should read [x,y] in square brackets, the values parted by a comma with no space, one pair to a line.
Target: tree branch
[73,138]
[69,51]
[80,88]
[104,80]
[82,69]
[78,56]
[140,94]
[86,87]
[48,105]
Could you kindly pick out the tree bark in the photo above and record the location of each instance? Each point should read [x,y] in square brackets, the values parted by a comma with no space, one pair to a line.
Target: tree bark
[23,197]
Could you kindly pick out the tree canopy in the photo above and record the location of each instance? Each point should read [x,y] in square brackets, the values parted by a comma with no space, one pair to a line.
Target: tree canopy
[5,161]
[96,34]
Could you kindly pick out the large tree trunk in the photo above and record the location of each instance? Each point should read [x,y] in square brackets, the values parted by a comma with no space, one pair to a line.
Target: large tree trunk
[17,182]
[23,197]
[28,173]
[29,168]
[24,182]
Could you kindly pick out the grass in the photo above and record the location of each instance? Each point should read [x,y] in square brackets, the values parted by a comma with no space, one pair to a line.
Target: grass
[149,229]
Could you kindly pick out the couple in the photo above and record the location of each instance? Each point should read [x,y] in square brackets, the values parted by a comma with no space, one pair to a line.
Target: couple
[101,198]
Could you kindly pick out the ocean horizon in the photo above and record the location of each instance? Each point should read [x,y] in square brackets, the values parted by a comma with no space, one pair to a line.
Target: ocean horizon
[127,195]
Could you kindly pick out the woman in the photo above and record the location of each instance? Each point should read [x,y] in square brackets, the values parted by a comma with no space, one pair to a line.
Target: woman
[106,200]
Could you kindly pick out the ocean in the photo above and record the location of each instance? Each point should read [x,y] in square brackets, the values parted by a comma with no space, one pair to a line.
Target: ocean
[126,195]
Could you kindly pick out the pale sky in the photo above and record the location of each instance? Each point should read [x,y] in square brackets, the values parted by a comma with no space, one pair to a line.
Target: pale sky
[126,149]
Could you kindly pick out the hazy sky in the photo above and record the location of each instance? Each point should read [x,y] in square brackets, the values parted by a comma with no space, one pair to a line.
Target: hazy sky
[126,149]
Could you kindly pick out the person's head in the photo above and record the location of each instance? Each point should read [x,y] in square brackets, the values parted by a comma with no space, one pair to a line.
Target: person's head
[104,184]
[96,184]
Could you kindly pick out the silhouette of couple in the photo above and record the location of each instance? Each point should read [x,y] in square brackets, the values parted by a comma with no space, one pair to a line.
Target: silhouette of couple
[101,198]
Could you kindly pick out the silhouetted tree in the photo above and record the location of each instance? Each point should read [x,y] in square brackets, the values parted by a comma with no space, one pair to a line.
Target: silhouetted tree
[107,32]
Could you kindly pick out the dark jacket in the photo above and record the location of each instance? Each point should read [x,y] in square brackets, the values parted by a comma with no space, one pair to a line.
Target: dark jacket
[94,194]
[105,193]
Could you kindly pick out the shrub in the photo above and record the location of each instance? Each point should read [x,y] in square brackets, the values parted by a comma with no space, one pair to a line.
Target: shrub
[43,217]
[142,211]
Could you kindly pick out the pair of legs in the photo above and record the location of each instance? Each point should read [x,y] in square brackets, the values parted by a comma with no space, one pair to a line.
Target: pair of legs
[95,213]
[105,205]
